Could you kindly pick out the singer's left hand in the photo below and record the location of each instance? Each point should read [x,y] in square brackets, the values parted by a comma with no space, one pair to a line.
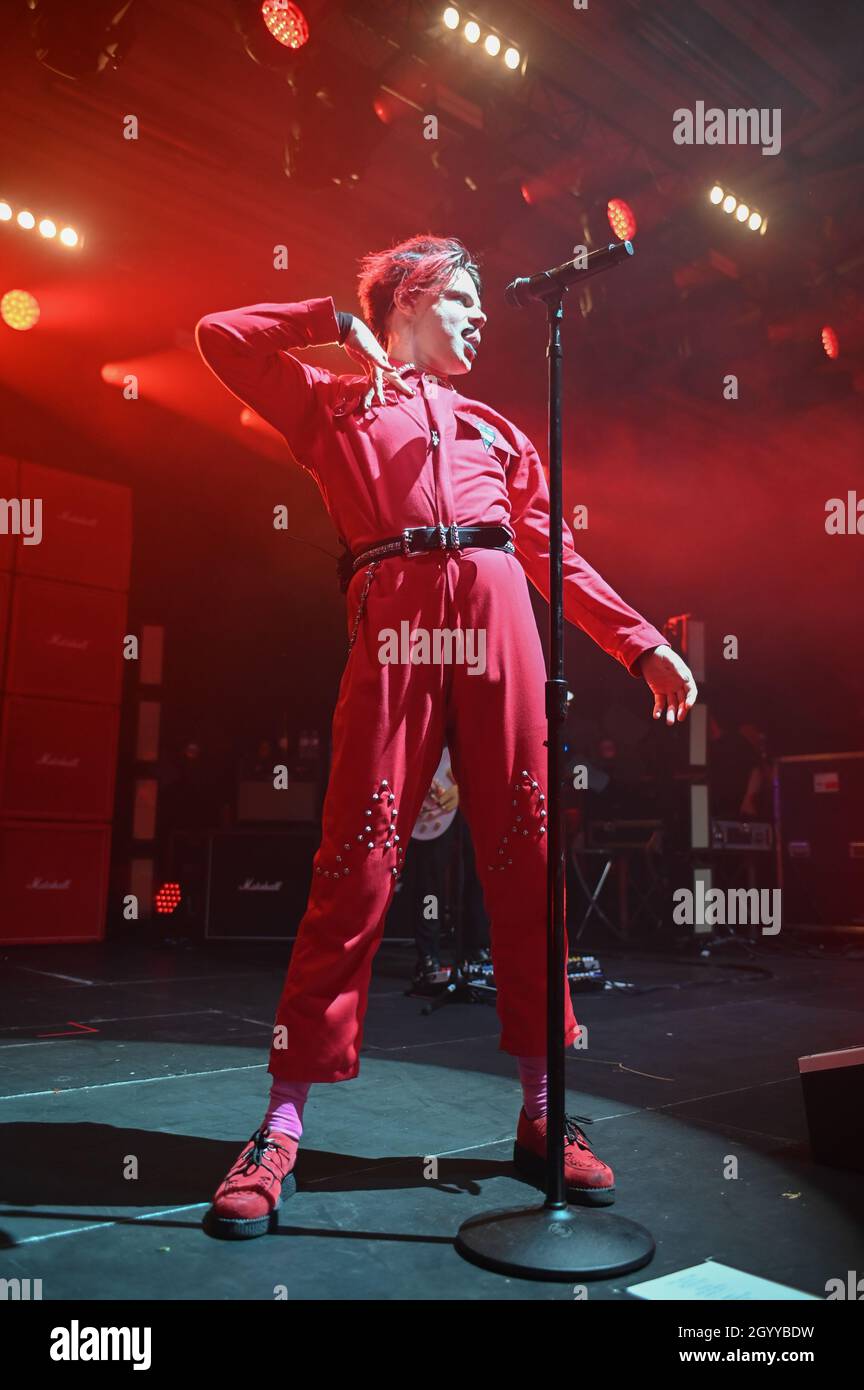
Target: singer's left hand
[672,682]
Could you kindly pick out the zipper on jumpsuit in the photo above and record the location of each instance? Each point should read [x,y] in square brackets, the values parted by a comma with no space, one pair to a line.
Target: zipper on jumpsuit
[370,573]
[443,488]
[436,440]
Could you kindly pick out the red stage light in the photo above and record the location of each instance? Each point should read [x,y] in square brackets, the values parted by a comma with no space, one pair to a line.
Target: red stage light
[830,342]
[286,22]
[168,898]
[621,219]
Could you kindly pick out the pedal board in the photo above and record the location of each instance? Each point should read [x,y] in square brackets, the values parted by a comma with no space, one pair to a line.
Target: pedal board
[584,973]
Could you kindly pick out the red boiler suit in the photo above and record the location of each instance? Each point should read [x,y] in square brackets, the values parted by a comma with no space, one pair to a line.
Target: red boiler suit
[419,461]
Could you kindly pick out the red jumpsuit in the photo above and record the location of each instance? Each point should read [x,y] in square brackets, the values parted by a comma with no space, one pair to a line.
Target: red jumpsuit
[416,462]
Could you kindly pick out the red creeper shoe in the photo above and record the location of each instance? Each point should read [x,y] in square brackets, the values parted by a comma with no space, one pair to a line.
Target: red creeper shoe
[248,1200]
[588,1180]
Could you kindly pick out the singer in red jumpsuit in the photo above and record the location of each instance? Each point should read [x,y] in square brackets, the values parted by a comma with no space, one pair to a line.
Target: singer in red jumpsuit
[413,451]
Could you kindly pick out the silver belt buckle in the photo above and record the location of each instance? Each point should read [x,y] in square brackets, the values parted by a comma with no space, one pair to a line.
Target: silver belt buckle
[406,540]
[453,538]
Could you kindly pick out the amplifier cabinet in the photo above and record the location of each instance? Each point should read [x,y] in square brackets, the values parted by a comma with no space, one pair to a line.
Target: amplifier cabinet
[53,882]
[66,641]
[259,800]
[57,759]
[86,528]
[258,882]
[819,808]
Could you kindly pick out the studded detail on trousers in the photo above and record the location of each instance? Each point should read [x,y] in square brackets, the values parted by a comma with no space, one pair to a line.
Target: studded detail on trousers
[376,831]
[529,819]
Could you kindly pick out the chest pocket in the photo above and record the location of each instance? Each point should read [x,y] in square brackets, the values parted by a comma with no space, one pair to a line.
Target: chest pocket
[491,440]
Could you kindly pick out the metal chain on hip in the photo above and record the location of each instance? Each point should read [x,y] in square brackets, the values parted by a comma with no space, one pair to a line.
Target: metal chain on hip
[370,574]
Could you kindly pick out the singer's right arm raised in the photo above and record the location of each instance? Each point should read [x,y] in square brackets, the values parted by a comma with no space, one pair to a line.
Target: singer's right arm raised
[248,350]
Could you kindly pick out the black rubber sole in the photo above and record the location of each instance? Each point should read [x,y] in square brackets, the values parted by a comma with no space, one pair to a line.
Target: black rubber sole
[531,1166]
[246,1228]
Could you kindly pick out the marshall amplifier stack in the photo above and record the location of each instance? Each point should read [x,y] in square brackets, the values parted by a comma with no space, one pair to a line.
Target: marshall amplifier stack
[65,546]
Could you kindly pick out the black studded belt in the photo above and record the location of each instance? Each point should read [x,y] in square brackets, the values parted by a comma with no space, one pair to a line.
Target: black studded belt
[416,539]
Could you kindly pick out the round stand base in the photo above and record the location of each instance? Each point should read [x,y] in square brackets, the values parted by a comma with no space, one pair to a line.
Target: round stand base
[555,1243]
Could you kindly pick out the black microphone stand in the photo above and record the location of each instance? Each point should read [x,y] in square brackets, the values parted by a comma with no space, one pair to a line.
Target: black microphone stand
[556,1240]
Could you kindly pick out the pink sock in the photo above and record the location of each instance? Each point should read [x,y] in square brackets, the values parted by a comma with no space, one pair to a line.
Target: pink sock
[285,1109]
[532,1074]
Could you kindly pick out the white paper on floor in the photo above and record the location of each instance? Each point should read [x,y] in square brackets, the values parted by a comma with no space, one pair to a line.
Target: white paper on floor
[712,1281]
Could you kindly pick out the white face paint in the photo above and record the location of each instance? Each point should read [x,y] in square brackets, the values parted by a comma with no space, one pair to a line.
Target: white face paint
[446,325]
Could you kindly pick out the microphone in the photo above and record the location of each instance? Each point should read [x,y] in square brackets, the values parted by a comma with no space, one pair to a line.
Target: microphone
[546,283]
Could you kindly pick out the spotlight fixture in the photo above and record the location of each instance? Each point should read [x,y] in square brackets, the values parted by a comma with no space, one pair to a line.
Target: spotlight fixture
[743,214]
[167,899]
[830,342]
[19,309]
[473,30]
[47,226]
[286,22]
[622,219]
[273,31]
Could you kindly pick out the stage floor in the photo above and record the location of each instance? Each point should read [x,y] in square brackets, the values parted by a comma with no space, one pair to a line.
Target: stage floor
[173,1074]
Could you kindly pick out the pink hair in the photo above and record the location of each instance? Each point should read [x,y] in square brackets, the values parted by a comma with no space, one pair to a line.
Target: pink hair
[406,270]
